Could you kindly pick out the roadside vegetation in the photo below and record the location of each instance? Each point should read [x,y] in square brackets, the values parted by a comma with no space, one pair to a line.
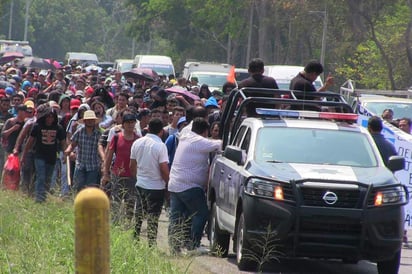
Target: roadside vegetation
[39,238]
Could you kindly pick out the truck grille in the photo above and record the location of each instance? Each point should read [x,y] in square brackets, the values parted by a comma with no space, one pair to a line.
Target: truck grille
[346,198]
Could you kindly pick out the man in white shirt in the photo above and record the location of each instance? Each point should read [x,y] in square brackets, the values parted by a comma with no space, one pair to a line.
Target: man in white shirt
[149,161]
[187,184]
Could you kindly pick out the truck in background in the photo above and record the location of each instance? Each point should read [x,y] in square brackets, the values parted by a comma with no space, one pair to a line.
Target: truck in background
[212,74]
[284,74]
[163,65]
[22,47]
[123,65]
[83,59]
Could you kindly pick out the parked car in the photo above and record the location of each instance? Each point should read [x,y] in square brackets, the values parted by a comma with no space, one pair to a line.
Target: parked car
[292,182]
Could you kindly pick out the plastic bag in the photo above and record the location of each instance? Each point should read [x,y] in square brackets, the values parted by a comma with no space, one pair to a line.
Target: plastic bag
[11,173]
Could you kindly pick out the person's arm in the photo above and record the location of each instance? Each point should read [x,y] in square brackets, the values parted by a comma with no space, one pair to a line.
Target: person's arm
[328,83]
[6,133]
[133,167]
[22,135]
[70,148]
[27,147]
[164,172]
[106,165]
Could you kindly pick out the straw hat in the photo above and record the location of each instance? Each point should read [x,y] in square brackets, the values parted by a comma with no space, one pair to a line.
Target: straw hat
[89,115]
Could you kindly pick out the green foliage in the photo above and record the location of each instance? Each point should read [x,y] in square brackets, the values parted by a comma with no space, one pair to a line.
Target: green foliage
[39,238]
[282,32]
[365,65]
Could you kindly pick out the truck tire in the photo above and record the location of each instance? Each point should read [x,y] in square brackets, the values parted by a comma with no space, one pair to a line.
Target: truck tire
[244,255]
[390,266]
[219,240]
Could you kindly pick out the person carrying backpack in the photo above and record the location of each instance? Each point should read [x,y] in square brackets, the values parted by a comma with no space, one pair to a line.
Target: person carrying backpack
[123,183]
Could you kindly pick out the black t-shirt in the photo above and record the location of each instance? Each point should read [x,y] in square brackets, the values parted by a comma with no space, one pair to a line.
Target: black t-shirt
[299,82]
[259,81]
[47,141]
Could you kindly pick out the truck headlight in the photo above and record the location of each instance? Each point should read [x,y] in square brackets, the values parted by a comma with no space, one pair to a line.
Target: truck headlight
[262,188]
[390,196]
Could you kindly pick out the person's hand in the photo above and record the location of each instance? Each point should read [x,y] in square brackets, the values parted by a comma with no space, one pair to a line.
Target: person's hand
[16,126]
[329,81]
[105,179]
[72,156]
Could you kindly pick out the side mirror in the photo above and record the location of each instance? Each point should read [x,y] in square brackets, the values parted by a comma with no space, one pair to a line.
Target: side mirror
[396,163]
[234,154]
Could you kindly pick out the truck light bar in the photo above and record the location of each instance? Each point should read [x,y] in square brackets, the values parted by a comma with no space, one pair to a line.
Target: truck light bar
[307,114]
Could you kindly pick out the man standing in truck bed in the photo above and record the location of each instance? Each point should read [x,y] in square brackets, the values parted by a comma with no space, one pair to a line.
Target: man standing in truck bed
[256,78]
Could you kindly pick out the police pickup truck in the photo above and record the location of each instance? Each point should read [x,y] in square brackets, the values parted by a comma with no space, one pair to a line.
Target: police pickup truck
[297,180]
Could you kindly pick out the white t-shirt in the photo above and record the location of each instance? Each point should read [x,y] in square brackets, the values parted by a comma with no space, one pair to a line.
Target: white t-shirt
[149,151]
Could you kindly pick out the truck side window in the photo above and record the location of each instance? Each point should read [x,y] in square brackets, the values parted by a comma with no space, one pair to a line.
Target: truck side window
[239,136]
[246,141]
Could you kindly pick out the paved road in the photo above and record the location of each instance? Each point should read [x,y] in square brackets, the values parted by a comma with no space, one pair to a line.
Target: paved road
[209,264]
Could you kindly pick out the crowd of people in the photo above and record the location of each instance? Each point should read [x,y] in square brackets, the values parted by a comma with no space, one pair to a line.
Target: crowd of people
[73,129]
[148,148]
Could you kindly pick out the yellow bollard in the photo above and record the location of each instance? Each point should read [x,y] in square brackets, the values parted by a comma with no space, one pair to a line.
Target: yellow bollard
[92,239]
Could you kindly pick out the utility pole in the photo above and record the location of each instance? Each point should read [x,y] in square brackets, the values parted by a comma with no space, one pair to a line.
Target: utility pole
[26,20]
[11,18]
[324,16]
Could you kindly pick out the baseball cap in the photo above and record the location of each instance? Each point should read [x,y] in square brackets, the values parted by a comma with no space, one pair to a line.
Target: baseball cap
[129,117]
[74,103]
[29,104]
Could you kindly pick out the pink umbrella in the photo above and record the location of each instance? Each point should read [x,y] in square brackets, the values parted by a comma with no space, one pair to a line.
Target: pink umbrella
[182,91]
[55,63]
[10,56]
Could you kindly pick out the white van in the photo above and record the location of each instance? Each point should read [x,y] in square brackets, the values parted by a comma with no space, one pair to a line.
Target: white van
[83,59]
[123,65]
[212,74]
[284,74]
[163,65]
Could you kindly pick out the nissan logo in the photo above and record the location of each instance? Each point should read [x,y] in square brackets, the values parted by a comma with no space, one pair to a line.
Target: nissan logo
[330,197]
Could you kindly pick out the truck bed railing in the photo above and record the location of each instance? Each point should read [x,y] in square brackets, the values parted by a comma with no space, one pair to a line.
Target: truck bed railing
[244,102]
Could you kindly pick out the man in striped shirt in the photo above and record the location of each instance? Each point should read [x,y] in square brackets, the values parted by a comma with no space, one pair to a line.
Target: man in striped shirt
[187,184]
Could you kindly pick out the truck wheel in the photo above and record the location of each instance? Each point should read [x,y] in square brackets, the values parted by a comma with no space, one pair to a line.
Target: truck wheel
[219,240]
[244,255]
[390,266]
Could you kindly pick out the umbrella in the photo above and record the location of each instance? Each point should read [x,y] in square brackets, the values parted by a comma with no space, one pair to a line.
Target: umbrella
[182,91]
[55,63]
[145,74]
[10,56]
[35,62]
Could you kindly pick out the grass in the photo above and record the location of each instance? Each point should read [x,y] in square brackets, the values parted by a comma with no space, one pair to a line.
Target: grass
[39,238]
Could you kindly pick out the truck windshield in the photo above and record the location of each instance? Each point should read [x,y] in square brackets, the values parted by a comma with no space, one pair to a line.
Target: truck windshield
[314,146]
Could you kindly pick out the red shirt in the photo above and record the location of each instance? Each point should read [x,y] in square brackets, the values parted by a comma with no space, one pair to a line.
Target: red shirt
[121,166]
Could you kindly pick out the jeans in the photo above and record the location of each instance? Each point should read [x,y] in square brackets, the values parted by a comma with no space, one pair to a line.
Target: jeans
[149,205]
[83,178]
[187,208]
[43,176]
[62,167]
